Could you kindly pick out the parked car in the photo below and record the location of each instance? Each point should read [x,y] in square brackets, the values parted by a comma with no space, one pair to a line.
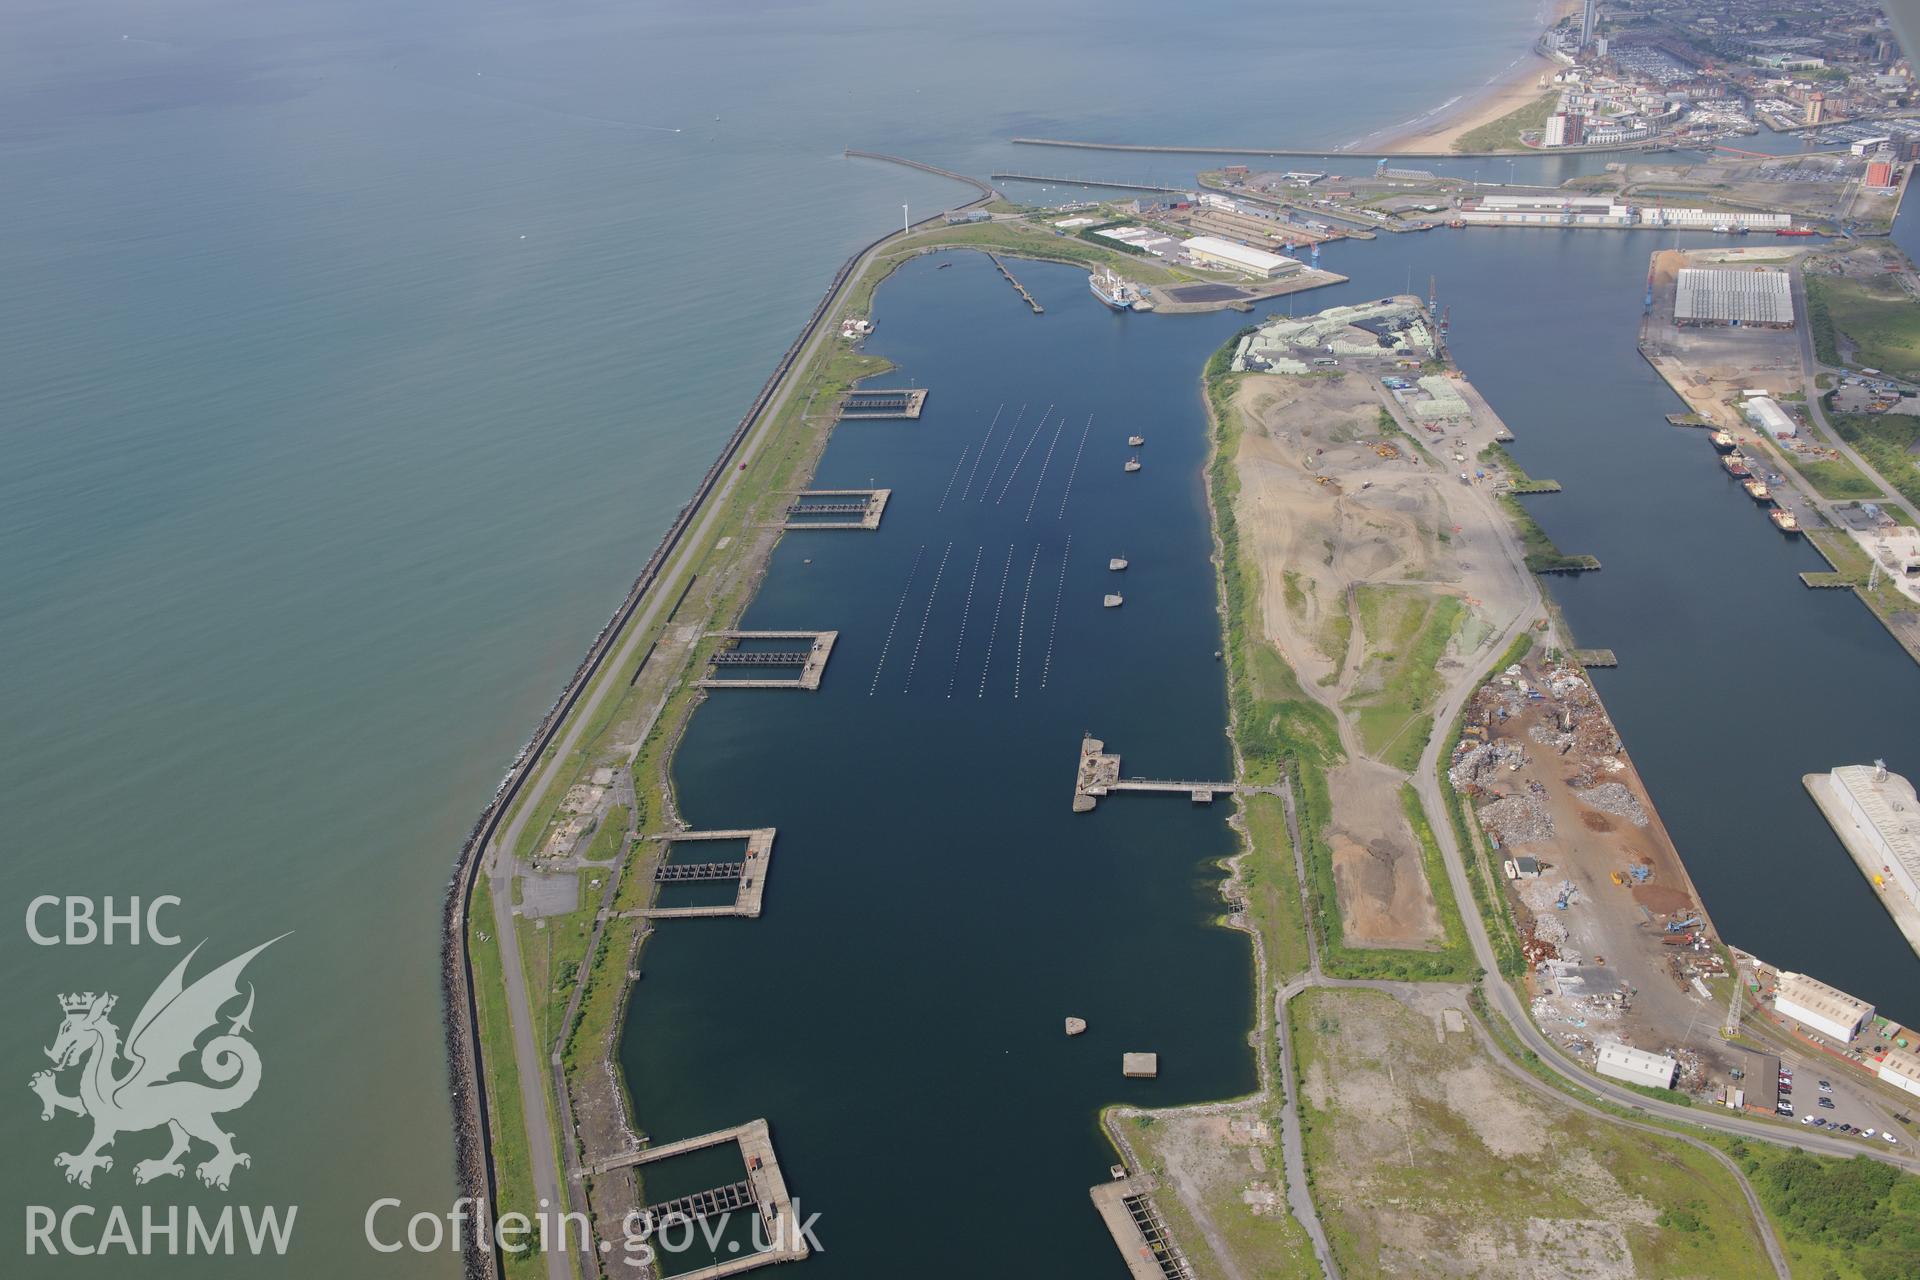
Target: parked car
[1826,1086]
[1827,1103]
[1889,1137]
[1868,1133]
[1846,1128]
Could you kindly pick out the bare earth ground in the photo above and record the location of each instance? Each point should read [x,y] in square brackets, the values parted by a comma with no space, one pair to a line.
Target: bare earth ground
[1430,1160]
[1316,544]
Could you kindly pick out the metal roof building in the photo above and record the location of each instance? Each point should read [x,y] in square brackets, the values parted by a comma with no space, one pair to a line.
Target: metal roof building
[1885,814]
[1715,296]
[1765,413]
[1637,1066]
[1212,250]
[1825,1009]
[1901,1069]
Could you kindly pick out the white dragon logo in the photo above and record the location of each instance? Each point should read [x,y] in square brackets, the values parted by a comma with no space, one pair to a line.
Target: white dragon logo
[146,1095]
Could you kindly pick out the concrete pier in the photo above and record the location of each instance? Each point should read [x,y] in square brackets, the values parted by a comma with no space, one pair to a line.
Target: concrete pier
[1906,915]
[812,661]
[865,513]
[764,1190]
[896,402]
[1099,775]
[751,870]
[1137,1230]
[1018,288]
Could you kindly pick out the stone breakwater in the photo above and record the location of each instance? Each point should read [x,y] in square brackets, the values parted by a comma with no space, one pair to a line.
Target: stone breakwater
[473,1139]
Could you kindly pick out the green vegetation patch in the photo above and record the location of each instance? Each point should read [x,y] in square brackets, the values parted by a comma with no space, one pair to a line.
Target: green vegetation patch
[1543,556]
[1406,630]
[1504,134]
[1878,317]
[513,1166]
[1854,1219]
[1886,441]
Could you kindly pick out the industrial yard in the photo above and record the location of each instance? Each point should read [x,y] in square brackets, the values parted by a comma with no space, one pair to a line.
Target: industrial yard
[1613,931]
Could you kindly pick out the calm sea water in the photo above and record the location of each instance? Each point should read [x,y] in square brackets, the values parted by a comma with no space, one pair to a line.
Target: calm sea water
[355,358]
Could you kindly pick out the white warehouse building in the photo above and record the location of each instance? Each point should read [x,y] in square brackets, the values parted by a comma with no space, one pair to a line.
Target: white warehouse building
[1766,414]
[1213,251]
[1637,1066]
[1901,1069]
[1886,818]
[1819,1007]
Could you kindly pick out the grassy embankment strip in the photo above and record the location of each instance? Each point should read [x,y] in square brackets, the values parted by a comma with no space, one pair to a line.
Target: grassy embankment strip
[1517,475]
[1483,871]
[1504,134]
[1280,730]
[1541,553]
[513,1171]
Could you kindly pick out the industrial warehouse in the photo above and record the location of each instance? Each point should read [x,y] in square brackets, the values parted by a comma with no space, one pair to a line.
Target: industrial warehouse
[1713,296]
[1815,1005]
[1212,251]
[1637,1066]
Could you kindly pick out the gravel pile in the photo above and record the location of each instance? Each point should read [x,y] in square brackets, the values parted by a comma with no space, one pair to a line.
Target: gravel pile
[1613,797]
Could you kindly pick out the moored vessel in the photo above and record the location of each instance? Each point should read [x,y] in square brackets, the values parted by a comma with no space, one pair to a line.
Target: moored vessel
[1113,600]
[1724,441]
[1113,291]
[1136,440]
[1736,466]
[1785,520]
[1133,464]
[1117,563]
[1757,490]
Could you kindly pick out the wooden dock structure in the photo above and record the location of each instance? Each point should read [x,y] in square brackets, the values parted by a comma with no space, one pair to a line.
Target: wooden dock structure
[883,402]
[811,661]
[1126,1207]
[750,872]
[1594,657]
[1018,288]
[862,514]
[1099,775]
[764,1191]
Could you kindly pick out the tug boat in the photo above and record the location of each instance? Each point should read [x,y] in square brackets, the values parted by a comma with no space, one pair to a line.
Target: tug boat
[1757,490]
[1724,441]
[1785,520]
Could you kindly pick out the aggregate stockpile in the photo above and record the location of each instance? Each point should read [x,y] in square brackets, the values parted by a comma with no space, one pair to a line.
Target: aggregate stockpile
[1609,922]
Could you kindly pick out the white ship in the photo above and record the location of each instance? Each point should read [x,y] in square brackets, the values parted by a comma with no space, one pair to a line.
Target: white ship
[1114,600]
[1136,441]
[1117,563]
[1114,291]
[1133,464]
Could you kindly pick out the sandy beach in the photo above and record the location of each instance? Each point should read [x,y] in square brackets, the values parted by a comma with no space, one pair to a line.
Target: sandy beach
[1507,91]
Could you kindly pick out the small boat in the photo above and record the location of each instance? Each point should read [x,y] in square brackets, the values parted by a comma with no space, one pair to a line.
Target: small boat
[1736,466]
[1114,600]
[1724,441]
[1117,563]
[1136,441]
[943,266]
[1133,464]
[1785,520]
[1758,491]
